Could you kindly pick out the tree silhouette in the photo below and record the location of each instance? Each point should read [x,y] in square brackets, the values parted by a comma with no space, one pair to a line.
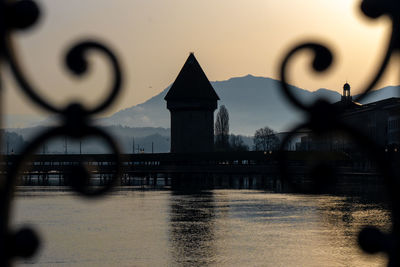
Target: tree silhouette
[265,139]
[221,129]
[236,143]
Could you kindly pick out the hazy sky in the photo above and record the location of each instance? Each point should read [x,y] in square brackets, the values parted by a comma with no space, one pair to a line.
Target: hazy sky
[229,38]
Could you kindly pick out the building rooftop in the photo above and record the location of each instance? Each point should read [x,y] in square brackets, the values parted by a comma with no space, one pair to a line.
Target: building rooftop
[385,104]
[191,83]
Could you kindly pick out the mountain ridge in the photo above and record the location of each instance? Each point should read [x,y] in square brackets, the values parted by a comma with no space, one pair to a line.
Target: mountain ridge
[252,102]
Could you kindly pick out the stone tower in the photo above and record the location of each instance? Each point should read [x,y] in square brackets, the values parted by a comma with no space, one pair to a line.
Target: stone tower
[192,102]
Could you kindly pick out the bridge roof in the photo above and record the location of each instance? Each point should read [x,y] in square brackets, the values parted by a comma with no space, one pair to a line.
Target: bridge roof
[191,83]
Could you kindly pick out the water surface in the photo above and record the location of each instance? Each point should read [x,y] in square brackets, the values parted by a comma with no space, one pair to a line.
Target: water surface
[205,228]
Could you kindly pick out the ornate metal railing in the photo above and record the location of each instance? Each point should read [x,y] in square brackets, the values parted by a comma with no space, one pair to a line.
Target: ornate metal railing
[75,122]
[324,118]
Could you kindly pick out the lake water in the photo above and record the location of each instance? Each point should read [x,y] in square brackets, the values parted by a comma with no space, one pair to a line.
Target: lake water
[221,227]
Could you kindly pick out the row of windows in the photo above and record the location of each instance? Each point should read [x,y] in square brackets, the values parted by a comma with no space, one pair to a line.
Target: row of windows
[394,124]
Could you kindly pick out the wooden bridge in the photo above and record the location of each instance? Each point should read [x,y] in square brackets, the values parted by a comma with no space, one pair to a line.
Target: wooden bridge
[44,167]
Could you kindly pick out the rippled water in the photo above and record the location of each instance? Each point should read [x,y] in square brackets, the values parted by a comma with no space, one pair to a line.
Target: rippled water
[208,228]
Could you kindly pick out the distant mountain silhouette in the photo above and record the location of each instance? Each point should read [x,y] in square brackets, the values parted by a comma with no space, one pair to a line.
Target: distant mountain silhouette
[152,113]
[386,92]
[252,102]
[22,120]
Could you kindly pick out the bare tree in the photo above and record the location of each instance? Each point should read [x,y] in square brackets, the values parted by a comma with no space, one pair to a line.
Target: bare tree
[265,139]
[221,129]
[237,144]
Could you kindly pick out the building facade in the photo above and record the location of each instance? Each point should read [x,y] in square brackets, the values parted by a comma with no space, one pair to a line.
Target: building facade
[379,120]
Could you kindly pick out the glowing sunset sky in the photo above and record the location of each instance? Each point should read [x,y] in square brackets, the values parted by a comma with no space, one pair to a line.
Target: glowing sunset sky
[229,37]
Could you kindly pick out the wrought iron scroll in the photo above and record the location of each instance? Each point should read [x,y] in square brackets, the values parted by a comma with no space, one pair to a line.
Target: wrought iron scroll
[75,123]
[324,117]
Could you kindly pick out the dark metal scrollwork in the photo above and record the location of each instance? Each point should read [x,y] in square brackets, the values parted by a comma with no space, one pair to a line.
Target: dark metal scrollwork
[324,117]
[75,123]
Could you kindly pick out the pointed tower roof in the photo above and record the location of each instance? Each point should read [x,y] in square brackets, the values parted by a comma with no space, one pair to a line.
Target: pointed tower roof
[191,83]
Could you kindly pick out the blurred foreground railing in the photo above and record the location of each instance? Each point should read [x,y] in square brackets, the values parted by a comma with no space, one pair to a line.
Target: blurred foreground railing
[75,122]
[325,118]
